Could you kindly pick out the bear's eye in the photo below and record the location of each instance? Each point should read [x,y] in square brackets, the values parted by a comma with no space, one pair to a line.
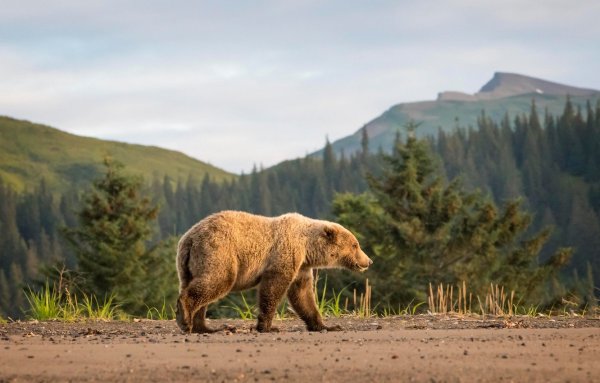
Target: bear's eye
[355,246]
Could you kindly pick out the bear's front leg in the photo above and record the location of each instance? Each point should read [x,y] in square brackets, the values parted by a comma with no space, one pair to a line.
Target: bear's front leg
[272,288]
[302,298]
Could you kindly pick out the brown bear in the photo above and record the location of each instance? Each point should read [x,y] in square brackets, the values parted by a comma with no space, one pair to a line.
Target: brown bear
[234,251]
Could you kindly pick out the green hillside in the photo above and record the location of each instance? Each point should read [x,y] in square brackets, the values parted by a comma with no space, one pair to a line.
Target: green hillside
[505,93]
[30,152]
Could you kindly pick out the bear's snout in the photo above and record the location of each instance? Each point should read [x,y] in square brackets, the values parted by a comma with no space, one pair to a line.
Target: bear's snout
[363,261]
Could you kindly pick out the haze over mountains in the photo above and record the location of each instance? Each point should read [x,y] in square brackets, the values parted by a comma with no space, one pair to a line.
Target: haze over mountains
[505,93]
[31,151]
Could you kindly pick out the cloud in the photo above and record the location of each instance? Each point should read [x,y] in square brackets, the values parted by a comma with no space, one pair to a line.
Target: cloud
[238,83]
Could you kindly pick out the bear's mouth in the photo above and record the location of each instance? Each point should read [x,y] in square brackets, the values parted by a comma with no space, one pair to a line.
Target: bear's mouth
[360,268]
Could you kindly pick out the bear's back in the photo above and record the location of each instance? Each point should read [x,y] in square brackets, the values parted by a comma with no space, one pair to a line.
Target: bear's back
[240,231]
[236,227]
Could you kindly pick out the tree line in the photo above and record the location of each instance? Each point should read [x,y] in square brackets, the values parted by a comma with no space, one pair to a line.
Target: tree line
[551,163]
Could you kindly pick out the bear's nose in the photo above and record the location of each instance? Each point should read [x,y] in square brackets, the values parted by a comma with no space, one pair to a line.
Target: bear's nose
[370,261]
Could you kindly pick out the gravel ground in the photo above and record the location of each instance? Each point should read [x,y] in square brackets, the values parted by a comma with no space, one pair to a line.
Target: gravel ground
[403,348]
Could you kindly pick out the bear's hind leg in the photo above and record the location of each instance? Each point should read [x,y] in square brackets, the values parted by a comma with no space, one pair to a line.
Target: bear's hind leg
[193,300]
[302,299]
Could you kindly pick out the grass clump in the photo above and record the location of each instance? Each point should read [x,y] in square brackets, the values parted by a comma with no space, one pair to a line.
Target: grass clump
[410,309]
[282,311]
[332,306]
[363,304]
[93,309]
[445,299]
[162,313]
[329,303]
[244,310]
[322,302]
[45,304]
[497,301]
[51,303]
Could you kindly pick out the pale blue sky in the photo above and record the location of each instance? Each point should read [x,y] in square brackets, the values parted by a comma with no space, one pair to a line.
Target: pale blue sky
[241,82]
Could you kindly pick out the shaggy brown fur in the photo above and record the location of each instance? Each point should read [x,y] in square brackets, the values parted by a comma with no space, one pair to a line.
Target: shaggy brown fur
[233,251]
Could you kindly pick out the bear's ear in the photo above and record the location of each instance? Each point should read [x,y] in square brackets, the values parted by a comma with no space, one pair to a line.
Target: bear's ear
[329,232]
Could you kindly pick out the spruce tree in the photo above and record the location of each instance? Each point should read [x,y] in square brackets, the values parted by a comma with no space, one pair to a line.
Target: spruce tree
[329,168]
[5,304]
[364,145]
[115,224]
[17,283]
[420,229]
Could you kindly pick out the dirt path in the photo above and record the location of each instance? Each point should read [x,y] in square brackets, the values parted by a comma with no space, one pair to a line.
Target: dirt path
[421,348]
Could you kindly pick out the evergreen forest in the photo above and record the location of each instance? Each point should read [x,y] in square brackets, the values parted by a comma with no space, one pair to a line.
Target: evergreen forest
[537,173]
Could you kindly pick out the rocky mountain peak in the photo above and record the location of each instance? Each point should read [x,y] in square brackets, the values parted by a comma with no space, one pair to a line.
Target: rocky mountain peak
[505,84]
[511,84]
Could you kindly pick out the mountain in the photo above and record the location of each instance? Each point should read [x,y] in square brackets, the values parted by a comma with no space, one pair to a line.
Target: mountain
[504,85]
[30,152]
[505,93]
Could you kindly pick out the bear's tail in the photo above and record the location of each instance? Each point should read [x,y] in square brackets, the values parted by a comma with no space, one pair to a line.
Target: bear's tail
[183,258]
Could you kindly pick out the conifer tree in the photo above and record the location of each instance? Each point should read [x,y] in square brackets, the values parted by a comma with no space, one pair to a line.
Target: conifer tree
[364,145]
[69,202]
[192,194]
[4,294]
[259,192]
[17,283]
[420,229]
[181,202]
[206,197]
[329,168]
[115,224]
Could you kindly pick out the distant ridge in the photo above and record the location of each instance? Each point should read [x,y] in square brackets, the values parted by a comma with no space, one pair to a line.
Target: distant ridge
[31,152]
[512,84]
[505,93]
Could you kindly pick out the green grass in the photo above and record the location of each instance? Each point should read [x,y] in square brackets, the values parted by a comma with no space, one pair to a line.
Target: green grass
[328,306]
[51,304]
[162,313]
[333,307]
[30,152]
[93,309]
[530,310]
[282,311]
[322,302]
[244,310]
[409,309]
[45,304]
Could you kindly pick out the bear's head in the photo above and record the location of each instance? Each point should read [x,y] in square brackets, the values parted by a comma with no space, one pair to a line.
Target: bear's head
[340,248]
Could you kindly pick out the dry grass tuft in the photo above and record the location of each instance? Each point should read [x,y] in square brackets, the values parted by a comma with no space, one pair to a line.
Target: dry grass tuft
[497,301]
